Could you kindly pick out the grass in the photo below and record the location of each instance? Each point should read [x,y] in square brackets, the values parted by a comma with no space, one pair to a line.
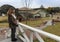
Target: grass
[3,22]
[36,22]
[3,18]
[51,29]
[54,30]
[4,25]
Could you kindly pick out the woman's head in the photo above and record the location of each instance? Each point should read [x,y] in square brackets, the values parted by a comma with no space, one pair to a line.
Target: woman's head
[10,11]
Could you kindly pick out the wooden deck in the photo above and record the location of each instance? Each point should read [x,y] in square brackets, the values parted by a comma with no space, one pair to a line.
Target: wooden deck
[3,37]
[9,40]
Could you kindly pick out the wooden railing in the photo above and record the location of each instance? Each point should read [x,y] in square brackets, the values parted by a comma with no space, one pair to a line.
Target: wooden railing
[34,31]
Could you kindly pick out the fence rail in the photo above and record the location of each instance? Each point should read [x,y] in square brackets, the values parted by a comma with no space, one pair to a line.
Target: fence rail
[38,31]
[35,31]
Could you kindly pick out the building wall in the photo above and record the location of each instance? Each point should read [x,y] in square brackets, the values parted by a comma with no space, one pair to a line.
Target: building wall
[42,13]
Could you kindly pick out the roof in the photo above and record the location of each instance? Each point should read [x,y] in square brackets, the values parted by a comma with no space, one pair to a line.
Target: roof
[32,11]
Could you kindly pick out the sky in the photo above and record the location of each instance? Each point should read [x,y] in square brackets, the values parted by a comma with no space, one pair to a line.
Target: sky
[33,3]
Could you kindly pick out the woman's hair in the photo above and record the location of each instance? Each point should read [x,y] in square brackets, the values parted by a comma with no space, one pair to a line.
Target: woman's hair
[10,11]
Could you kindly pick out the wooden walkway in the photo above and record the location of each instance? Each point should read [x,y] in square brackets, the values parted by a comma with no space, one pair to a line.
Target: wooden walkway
[3,37]
[9,40]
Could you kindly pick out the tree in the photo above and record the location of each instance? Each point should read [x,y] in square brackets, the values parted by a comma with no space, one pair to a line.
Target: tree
[5,8]
[42,7]
[27,4]
[53,9]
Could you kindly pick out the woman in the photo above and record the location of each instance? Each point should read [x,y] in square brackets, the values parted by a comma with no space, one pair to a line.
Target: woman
[12,23]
